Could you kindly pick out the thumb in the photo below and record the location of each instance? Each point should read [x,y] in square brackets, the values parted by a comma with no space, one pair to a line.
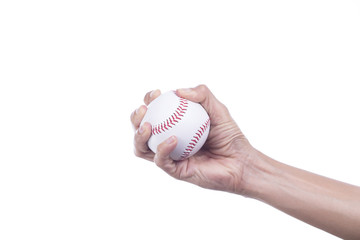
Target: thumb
[162,157]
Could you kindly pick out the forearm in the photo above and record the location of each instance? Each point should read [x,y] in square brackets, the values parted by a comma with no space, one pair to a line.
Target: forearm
[322,202]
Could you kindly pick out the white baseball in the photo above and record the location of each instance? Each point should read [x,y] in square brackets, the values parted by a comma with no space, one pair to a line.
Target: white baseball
[170,115]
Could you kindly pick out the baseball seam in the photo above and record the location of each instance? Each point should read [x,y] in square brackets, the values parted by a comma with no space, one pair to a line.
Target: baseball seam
[174,118]
[195,139]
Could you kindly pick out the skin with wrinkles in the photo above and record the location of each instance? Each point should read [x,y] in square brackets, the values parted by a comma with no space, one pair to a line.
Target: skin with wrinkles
[228,162]
[225,142]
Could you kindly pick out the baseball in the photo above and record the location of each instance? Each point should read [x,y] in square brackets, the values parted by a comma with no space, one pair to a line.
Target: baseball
[170,115]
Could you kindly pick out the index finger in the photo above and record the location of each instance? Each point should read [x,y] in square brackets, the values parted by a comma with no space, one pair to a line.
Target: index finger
[202,94]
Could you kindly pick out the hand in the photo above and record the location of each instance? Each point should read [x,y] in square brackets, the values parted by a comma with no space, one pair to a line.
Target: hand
[219,164]
[228,162]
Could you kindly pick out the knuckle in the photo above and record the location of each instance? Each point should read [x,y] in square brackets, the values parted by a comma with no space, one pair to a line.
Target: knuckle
[203,88]
[158,151]
[137,153]
[157,162]
[224,107]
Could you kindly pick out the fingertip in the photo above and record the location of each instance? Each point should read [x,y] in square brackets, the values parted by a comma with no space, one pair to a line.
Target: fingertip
[137,116]
[164,150]
[171,140]
[145,129]
[184,91]
[155,93]
[147,125]
[150,96]
[140,112]
[166,147]
[188,93]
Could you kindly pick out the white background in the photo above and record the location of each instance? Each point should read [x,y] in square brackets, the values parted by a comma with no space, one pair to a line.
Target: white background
[71,72]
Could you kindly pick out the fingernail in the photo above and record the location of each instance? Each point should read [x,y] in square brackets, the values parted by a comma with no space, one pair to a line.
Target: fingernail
[152,93]
[170,140]
[185,90]
[141,130]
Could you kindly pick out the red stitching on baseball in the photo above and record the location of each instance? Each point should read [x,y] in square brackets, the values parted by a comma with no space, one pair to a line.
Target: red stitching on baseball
[174,118]
[191,145]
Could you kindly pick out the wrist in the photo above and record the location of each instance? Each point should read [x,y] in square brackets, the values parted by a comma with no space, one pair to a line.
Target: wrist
[256,174]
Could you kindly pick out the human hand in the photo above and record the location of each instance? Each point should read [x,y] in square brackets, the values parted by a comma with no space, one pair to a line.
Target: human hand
[228,162]
[219,164]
